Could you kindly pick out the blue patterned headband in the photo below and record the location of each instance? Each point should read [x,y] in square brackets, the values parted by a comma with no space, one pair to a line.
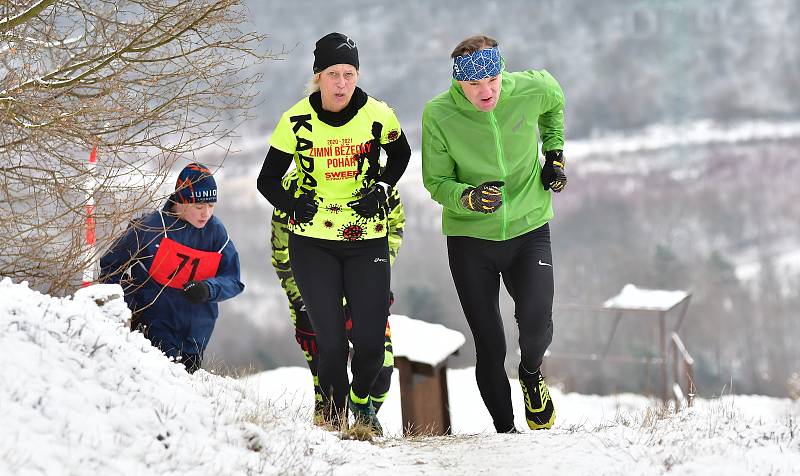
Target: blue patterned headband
[478,65]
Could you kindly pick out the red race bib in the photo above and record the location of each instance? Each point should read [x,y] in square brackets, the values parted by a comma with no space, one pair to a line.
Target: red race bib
[175,264]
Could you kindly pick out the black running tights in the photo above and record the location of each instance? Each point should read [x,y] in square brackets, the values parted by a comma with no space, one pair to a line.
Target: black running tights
[526,266]
[326,271]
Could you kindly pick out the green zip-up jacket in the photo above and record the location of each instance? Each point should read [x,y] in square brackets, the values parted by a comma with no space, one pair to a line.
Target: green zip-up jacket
[463,147]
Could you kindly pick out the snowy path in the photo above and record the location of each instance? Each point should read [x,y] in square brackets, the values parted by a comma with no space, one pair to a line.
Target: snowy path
[613,435]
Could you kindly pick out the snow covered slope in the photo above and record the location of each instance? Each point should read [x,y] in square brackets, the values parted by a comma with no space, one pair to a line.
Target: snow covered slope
[79,394]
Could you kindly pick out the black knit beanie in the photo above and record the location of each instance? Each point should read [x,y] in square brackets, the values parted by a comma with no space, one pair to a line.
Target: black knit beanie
[334,48]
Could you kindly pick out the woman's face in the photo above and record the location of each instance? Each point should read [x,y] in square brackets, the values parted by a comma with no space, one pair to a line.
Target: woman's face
[336,85]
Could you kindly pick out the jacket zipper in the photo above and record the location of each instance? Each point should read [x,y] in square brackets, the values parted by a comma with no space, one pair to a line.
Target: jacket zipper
[501,162]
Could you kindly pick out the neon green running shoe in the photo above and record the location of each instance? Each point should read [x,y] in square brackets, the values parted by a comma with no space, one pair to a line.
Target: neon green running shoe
[539,410]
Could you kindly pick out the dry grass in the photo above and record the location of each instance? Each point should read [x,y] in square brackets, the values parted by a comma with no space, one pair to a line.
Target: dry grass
[266,427]
[358,431]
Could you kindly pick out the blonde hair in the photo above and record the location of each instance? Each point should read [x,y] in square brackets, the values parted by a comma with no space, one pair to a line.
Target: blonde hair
[312,85]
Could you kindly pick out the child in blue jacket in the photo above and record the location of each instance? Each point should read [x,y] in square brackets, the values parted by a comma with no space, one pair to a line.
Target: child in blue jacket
[181,263]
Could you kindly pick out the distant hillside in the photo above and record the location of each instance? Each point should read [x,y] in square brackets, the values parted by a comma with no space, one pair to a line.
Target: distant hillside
[622,64]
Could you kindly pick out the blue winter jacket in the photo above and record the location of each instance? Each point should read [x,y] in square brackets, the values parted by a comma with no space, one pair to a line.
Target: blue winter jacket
[175,324]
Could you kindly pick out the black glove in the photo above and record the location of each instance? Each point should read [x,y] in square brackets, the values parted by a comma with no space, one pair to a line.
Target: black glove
[485,198]
[304,209]
[303,331]
[371,203]
[196,291]
[553,176]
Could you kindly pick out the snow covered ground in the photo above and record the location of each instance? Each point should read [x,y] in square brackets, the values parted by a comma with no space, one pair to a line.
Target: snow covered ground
[79,394]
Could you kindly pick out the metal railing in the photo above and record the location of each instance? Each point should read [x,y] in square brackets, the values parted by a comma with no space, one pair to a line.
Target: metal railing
[675,363]
[683,389]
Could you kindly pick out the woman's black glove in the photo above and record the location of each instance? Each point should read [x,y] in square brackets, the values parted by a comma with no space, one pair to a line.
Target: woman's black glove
[371,203]
[196,291]
[304,209]
[553,176]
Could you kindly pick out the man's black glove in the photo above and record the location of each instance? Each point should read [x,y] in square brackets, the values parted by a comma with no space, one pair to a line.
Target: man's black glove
[303,330]
[485,198]
[371,203]
[553,176]
[304,209]
[196,291]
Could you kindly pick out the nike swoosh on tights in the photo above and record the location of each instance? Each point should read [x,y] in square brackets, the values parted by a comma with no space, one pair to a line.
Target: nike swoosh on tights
[542,263]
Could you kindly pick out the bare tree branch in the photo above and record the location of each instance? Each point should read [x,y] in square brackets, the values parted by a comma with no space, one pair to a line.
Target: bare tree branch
[147,81]
[11,22]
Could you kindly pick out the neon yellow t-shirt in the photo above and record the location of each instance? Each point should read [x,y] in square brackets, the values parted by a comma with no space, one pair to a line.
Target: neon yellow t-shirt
[338,165]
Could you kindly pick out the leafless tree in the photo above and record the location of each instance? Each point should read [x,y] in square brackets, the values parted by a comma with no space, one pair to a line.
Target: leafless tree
[146,81]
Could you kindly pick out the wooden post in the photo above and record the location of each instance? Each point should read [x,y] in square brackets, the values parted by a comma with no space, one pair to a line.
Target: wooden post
[683,365]
[665,390]
[89,223]
[421,350]
[423,398]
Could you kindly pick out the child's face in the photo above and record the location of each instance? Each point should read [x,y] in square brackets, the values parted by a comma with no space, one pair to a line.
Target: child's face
[197,214]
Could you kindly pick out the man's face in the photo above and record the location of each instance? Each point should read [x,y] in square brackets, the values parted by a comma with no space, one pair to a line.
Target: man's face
[483,93]
[337,84]
[197,214]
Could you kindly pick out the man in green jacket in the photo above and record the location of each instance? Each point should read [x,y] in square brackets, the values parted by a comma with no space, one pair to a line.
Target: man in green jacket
[480,162]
